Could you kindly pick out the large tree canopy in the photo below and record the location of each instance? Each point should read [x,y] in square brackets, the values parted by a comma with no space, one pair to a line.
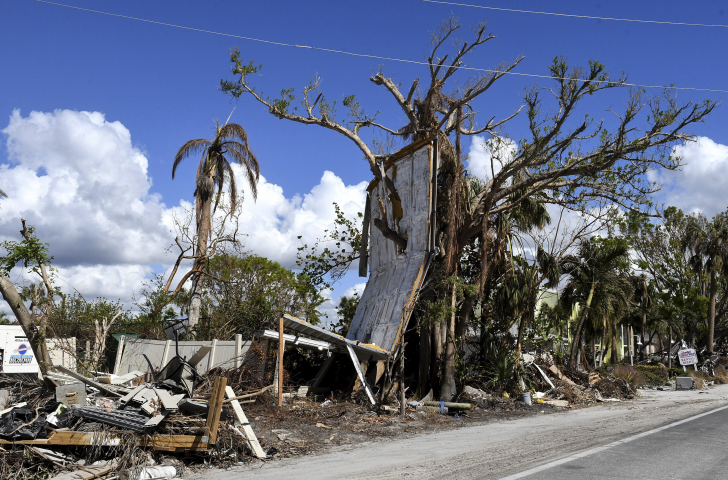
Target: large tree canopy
[567,158]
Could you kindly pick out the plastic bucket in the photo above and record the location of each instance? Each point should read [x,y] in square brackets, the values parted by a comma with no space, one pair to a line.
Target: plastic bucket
[525,397]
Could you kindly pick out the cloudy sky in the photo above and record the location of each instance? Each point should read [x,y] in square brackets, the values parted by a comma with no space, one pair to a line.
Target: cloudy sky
[93,109]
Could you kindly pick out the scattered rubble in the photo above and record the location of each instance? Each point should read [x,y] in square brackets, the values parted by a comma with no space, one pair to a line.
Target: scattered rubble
[73,422]
[157,424]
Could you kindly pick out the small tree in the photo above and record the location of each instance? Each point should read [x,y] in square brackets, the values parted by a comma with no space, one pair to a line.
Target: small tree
[29,253]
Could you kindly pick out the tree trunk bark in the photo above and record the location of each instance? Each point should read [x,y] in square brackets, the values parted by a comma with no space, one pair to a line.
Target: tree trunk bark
[615,356]
[203,235]
[644,319]
[580,326]
[423,380]
[449,389]
[711,308]
[36,340]
[436,345]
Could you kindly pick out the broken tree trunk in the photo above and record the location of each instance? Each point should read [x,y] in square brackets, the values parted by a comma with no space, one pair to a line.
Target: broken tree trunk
[35,338]
[580,326]
[449,389]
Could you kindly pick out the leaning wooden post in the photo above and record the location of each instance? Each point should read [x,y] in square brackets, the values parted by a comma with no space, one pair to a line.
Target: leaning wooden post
[214,408]
[401,378]
[281,344]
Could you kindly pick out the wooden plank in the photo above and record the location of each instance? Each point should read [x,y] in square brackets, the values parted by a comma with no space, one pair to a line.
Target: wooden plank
[242,420]
[156,442]
[281,347]
[215,407]
[359,372]
[82,438]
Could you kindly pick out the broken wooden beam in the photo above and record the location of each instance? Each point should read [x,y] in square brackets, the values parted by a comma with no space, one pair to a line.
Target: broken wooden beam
[215,408]
[281,346]
[242,420]
[156,442]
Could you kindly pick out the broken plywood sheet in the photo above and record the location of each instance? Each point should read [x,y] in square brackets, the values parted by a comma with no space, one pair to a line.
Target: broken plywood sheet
[396,276]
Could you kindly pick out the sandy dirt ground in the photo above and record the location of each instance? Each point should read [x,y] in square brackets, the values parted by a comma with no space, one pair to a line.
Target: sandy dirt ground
[487,451]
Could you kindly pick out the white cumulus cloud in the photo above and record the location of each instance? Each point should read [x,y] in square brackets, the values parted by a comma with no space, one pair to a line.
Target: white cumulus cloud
[274,222]
[78,178]
[700,185]
[499,150]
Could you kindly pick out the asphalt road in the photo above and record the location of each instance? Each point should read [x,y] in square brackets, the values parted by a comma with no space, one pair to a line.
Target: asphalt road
[693,448]
[661,435]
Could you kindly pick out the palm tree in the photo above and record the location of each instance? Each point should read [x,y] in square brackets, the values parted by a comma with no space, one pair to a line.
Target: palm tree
[644,292]
[595,272]
[230,145]
[707,243]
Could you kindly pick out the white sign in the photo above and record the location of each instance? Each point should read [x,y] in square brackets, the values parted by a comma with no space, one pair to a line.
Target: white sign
[687,356]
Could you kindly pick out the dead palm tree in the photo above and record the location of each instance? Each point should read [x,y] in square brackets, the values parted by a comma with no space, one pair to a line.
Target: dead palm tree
[230,145]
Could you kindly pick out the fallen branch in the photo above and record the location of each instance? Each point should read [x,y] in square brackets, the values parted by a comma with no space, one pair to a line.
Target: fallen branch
[262,390]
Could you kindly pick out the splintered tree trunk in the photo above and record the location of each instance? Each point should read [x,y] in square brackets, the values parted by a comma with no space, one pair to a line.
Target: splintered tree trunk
[449,389]
[437,344]
[202,239]
[35,338]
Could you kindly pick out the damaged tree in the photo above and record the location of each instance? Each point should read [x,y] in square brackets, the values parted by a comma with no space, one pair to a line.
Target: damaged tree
[229,145]
[569,162]
[30,252]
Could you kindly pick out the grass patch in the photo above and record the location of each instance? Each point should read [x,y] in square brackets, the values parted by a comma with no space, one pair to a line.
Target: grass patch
[630,374]
[699,377]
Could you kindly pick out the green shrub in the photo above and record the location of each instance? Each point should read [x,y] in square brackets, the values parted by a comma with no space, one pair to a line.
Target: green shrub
[656,375]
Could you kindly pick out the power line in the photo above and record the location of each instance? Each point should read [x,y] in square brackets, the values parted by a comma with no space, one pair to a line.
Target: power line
[575,16]
[362,55]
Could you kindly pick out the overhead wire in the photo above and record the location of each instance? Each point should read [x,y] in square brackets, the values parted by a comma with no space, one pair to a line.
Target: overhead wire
[364,55]
[501,9]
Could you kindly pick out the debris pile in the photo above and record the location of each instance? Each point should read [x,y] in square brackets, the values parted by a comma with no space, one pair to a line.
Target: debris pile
[126,426]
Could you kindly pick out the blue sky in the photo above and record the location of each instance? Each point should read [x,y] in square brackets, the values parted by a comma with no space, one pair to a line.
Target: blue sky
[161,83]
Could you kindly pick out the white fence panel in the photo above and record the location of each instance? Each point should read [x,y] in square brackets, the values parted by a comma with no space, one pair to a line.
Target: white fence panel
[225,354]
